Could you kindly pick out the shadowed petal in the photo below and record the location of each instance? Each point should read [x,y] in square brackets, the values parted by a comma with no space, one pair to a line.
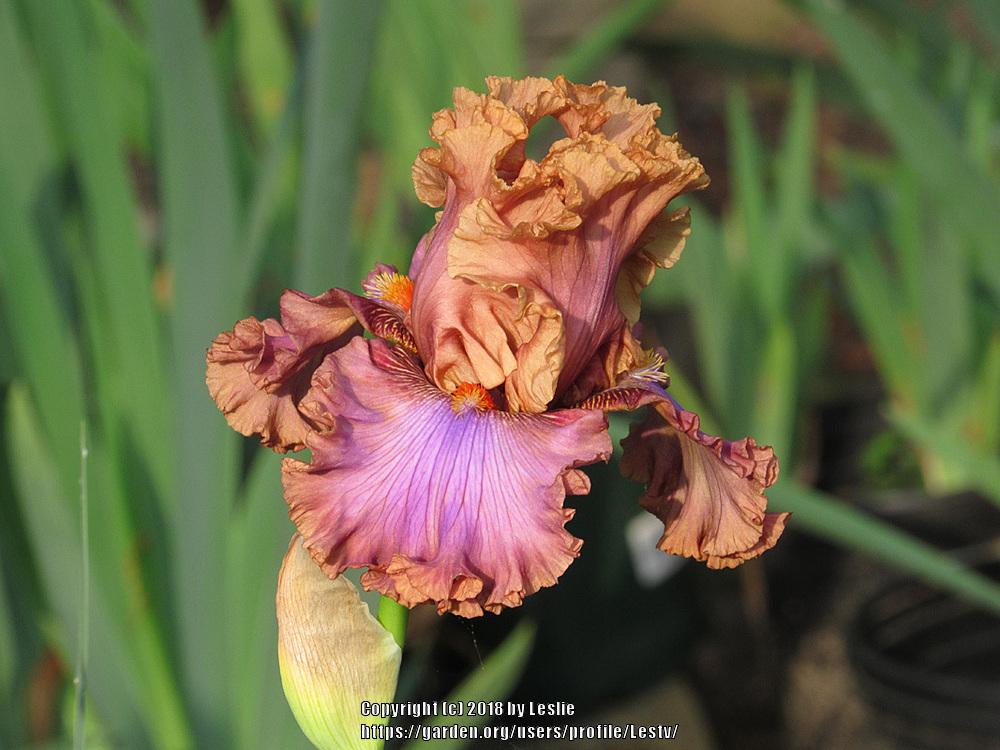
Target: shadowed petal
[615,357]
[463,509]
[660,246]
[258,372]
[468,333]
[708,492]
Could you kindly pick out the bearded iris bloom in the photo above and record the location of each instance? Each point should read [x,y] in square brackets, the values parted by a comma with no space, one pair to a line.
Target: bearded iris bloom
[444,442]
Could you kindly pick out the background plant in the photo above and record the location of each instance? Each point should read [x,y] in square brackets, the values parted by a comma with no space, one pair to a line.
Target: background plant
[161,170]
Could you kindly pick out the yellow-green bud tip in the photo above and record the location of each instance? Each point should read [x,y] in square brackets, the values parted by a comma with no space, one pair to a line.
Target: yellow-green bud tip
[333,654]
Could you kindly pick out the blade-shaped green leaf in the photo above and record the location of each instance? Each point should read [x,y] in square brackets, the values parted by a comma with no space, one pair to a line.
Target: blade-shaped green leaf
[919,130]
[981,109]
[985,416]
[977,470]
[907,229]
[122,267]
[52,524]
[602,38]
[264,59]
[482,38]
[839,523]
[776,391]
[945,313]
[41,338]
[764,257]
[123,60]
[200,215]
[272,187]
[335,84]
[794,190]
[709,284]
[876,303]
[118,565]
[50,362]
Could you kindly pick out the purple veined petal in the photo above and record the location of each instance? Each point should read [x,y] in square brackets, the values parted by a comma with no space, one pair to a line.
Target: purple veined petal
[464,509]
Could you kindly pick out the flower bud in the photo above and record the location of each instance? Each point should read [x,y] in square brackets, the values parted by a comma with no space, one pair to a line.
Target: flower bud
[332,653]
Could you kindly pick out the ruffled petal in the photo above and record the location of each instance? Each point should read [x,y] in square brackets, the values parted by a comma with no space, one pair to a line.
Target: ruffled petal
[532,384]
[463,508]
[666,238]
[611,364]
[532,98]
[466,333]
[258,372]
[708,492]
[572,229]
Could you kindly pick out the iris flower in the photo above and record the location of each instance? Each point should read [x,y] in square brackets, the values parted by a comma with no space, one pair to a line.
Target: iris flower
[448,411]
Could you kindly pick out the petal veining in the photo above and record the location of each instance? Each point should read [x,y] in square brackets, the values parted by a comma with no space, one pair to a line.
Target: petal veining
[461,509]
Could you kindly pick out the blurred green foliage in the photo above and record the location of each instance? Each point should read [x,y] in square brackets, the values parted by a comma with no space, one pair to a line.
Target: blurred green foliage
[160,175]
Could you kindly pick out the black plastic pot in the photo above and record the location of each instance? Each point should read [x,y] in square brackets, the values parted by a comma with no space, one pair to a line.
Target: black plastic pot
[929,665]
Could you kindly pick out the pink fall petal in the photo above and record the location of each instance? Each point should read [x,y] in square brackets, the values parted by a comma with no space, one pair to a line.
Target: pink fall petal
[461,509]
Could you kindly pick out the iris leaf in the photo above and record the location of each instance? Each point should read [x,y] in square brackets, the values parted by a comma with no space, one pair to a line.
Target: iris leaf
[876,302]
[41,336]
[200,215]
[920,132]
[749,201]
[335,83]
[121,265]
[605,35]
[975,468]
[776,401]
[839,523]
[271,188]
[264,59]
[705,267]
[52,524]
[123,59]
[794,193]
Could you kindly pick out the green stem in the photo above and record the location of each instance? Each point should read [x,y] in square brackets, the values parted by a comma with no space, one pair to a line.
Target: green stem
[393,617]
